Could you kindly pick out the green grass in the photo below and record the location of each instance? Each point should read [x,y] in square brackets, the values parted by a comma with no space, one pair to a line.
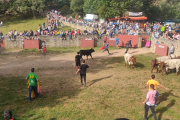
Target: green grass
[28,23]
[60,50]
[113,91]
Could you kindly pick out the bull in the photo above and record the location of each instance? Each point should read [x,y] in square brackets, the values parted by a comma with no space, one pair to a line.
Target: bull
[131,60]
[155,63]
[170,64]
[86,52]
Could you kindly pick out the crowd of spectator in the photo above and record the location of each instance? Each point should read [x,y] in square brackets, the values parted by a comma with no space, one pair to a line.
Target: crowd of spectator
[55,25]
[158,30]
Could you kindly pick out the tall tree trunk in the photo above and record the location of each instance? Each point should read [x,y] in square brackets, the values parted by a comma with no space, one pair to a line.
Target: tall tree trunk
[34,14]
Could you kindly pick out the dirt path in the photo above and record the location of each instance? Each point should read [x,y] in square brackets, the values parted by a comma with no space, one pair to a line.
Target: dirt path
[14,63]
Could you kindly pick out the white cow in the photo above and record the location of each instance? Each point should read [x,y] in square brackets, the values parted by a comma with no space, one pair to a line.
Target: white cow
[155,63]
[131,60]
[164,58]
[170,64]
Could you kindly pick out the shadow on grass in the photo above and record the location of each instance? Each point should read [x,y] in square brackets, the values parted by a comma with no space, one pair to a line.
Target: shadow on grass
[164,96]
[96,80]
[121,119]
[164,109]
[139,65]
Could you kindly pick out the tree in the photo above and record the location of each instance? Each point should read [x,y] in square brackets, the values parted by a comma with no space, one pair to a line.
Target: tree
[36,6]
[25,6]
[90,6]
[77,6]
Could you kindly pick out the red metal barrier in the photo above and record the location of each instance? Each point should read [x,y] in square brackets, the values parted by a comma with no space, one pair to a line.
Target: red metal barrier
[123,39]
[87,42]
[28,44]
[2,45]
[161,50]
[112,41]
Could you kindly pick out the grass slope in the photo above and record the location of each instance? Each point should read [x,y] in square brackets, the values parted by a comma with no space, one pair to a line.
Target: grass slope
[113,91]
[15,23]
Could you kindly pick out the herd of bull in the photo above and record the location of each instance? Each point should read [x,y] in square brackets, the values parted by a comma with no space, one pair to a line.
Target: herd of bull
[164,63]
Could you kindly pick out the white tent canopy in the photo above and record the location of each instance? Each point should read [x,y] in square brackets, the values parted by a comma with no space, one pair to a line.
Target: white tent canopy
[90,17]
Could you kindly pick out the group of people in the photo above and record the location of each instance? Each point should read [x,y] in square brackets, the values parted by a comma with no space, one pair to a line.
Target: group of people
[162,31]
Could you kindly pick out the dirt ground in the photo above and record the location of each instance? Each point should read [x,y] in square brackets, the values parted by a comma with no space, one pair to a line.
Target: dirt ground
[12,63]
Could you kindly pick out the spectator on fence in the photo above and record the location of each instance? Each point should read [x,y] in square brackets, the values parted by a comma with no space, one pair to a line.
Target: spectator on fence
[1,35]
[170,35]
[31,33]
[20,34]
[64,35]
[171,51]
[110,34]
[10,35]
[61,33]
[85,31]
[176,36]
[177,28]
[1,24]
[78,32]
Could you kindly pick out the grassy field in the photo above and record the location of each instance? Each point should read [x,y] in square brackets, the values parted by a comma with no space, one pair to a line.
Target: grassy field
[112,91]
[15,23]
[59,50]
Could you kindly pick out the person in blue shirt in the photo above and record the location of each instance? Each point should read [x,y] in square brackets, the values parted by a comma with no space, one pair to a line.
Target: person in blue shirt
[117,42]
[106,48]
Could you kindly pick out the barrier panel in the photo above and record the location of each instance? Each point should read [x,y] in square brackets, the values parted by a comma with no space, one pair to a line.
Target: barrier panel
[112,41]
[161,50]
[123,39]
[28,44]
[2,46]
[87,42]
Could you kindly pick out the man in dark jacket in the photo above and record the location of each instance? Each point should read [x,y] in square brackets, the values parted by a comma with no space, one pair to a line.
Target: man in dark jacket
[82,70]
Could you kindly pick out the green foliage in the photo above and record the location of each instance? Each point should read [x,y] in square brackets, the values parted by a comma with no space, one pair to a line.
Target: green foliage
[25,6]
[77,6]
[65,10]
[91,6]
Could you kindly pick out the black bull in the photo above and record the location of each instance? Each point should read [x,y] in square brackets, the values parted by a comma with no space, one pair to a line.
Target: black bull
[86,52]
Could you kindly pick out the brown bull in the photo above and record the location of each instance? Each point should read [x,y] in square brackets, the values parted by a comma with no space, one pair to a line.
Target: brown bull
[154,65]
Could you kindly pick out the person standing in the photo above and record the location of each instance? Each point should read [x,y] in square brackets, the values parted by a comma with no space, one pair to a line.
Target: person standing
[78,60]
[127,47]
[117,42]
[82,70]
[155,83]
[32,78]
[171,51]
[130,41]
[43,47]
[150,102]
[106,48]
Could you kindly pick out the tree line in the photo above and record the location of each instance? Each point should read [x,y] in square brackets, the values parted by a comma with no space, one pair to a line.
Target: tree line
[154,9]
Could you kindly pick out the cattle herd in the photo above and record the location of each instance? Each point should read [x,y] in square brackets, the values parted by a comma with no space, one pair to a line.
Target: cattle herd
[163,63]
